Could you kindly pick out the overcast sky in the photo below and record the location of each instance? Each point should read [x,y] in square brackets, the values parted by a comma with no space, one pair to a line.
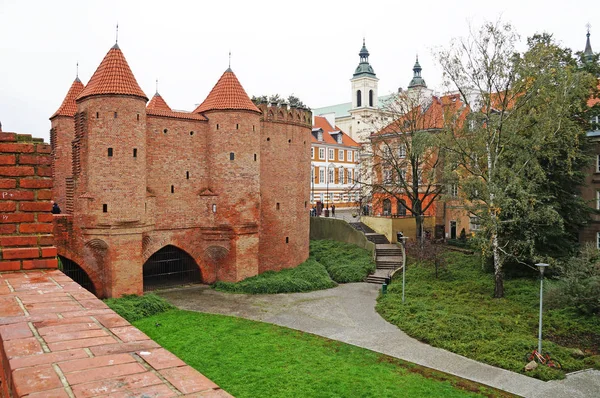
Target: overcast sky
[308,48]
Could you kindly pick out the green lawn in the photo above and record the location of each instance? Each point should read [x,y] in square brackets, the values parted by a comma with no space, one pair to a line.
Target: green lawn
[253,359]
[330,263]
[457,312]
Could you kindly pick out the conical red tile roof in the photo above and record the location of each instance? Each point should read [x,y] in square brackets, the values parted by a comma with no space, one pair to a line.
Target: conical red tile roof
[228,93]
[68,106]
[157,103]
[113,76]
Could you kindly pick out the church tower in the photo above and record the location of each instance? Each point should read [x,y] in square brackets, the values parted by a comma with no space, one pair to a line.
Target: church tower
[364,83]
[364,97]
[588,54]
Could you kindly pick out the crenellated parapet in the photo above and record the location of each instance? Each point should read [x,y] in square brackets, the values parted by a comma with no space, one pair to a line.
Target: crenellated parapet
[284,113]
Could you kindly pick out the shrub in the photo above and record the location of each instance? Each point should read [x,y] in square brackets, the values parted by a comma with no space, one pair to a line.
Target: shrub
[343,261]
[308,276]
[133,308]
[579,286]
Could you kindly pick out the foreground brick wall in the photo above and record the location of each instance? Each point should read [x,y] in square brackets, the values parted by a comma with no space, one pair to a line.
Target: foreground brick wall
[25,204]
[58,340]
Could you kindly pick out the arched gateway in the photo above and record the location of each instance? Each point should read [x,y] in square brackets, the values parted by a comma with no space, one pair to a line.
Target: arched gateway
[75,272]
[170,266]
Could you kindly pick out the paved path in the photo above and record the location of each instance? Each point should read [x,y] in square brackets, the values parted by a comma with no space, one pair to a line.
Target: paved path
[346,313]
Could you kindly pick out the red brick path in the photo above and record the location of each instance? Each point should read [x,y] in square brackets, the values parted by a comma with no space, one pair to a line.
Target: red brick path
[59,340]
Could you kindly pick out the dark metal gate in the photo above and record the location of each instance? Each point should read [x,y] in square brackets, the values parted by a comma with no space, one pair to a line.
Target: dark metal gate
[170,266]
[75,272]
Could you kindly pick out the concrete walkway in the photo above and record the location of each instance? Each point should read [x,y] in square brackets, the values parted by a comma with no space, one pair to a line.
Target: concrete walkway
[347,313]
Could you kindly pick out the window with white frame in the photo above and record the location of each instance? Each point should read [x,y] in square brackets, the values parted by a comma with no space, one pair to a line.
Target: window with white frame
[402,151]
[312,197]
[340,154]
[474,223]
[402,175]
[321,153]
[420,177]
[321,175]
[331,155]
[312,153]
[340,138]
[597,163]
[321,197]
[349,176]
[320,136]
[597,240]
[387,176]
[312,174]
[341,175]
[331,197]
[595,122]
[597,200]
[330,175]
[454,190]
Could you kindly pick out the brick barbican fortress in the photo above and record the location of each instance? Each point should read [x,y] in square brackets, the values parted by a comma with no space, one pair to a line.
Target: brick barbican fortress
[149,194]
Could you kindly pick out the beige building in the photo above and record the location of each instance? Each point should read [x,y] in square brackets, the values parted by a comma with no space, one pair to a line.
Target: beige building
[334,158]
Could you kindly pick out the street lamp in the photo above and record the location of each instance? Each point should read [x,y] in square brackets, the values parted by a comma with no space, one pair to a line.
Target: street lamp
[541,267]
[400,237]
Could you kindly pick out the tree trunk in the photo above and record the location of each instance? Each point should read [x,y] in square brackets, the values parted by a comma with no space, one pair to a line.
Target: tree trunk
[498,275]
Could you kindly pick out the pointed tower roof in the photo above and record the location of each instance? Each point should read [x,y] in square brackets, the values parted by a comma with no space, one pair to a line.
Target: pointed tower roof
[364,68]
[68,106]
[157,103]
[588,53]
[228,93]
[113,76]
[417,80]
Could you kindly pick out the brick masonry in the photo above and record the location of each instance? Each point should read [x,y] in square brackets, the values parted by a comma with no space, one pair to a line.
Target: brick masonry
[25,204]
[229,187]
[59,340]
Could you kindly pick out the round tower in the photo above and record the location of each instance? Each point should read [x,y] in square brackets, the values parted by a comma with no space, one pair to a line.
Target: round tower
[113,143]
[109,170]
[233,153]
[62,134]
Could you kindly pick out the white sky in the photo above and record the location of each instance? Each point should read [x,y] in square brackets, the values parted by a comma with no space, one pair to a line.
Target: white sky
[305,47]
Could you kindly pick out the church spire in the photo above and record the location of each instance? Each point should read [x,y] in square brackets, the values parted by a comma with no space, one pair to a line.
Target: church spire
[588,54]
[417,80]
[364,68]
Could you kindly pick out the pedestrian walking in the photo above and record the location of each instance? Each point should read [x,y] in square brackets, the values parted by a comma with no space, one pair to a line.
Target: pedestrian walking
[333,210]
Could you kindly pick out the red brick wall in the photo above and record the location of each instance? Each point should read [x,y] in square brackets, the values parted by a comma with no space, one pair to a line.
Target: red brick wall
[285,179]
[25,202]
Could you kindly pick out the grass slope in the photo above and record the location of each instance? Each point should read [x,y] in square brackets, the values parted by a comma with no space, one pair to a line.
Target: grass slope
[329,262]
[457,312]
[344,262]
[253,359]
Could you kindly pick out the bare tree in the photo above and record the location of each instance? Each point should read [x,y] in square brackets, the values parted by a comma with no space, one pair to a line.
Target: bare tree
[405,159]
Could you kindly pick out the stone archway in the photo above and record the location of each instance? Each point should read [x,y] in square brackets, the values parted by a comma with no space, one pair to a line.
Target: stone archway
[76,272]
[168,267]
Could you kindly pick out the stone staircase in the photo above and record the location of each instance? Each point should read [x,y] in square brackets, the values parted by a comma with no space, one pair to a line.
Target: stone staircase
[388,257]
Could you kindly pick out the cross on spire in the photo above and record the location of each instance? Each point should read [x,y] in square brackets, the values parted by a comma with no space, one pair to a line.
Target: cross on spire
[588,26]
[117,35]
[229,59]
[157,86]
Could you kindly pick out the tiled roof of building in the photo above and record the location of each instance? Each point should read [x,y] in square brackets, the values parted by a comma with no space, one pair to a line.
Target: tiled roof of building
[329,132]
[175,114]
[427,117]
[113,76]
[228,93]
[68,106]
[158,103]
